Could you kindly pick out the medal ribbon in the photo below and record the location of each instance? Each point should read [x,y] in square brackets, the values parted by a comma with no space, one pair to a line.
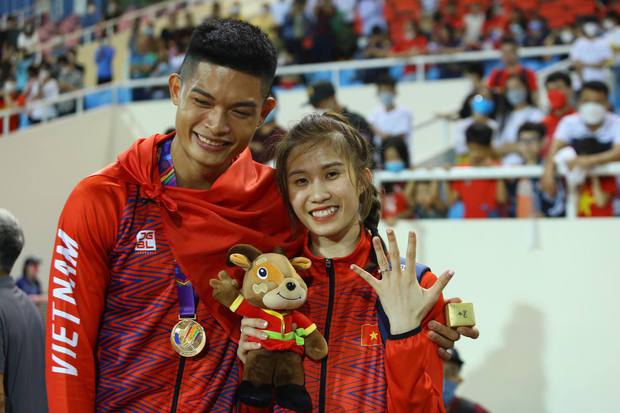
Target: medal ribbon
[187,298]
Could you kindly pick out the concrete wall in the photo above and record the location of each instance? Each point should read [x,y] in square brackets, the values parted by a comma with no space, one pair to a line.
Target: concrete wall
[545,295]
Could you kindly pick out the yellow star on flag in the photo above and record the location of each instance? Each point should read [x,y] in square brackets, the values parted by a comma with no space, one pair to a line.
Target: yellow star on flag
[586,200]
[373,336]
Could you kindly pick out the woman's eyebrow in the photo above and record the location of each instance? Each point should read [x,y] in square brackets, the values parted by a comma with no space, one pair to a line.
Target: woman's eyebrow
[326,166]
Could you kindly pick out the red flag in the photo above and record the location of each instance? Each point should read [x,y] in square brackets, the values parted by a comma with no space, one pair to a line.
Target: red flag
[371,335]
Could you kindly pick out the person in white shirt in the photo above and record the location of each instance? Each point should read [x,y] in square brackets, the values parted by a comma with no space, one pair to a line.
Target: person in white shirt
[389,120]
[591,54]
[48,89]
[611,24]
[474,23]
[519,98]
[593,119]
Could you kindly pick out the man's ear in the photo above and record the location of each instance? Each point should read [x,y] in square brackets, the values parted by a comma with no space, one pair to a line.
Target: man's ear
[174,85]
[268,105]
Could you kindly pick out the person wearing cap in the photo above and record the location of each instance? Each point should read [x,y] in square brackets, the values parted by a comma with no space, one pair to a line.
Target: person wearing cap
[22,335]
[322,96]
[452,379]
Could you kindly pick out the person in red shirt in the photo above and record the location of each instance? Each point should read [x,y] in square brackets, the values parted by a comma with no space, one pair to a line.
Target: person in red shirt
[138,242]
[499,76]
[481,198]
[373,314]
[560,96]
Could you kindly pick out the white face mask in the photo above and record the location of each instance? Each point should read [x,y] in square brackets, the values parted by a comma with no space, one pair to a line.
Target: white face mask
[592,113]
[567,36]
[590,29]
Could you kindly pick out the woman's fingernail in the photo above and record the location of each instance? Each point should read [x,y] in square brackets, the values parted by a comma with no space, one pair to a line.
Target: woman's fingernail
[263,324]
[263,336]
[258,345]
[432,324]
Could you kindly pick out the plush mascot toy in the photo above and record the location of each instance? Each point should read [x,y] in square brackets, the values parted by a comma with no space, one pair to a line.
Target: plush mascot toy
[272,290]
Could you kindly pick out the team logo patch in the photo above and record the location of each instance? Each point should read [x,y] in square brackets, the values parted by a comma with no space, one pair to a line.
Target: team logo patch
[370,335]
[145,241]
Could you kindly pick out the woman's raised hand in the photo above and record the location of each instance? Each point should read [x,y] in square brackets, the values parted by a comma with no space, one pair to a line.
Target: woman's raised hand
[405,302]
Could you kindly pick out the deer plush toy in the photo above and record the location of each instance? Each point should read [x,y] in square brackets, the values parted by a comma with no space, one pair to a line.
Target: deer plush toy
[272,290]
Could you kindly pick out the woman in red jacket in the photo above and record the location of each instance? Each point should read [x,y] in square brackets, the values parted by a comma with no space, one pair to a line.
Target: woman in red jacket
[372,310]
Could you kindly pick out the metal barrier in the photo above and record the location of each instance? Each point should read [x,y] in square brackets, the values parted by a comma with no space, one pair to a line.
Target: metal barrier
[501,172]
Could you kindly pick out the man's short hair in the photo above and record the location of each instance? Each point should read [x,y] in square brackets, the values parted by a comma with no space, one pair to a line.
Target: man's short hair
[559,76]
[479,133]
[596,86]
[11,241]
[539,128]
[386,80]
[475,68]
[234,44]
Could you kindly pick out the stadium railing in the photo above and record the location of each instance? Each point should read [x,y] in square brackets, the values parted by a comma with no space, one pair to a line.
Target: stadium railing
[499,172]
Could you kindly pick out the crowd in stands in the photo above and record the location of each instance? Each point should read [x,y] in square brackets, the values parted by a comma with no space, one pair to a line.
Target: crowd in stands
[501,121]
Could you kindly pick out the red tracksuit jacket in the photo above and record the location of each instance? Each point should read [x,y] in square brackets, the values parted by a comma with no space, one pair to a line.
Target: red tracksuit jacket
[112,292]
[363,372]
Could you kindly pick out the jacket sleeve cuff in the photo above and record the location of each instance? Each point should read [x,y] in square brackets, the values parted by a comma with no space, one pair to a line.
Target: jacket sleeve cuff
[407,334]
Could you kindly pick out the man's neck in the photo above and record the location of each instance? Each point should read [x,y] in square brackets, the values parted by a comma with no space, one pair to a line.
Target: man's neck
[340,245]
[190,174]
[596,127]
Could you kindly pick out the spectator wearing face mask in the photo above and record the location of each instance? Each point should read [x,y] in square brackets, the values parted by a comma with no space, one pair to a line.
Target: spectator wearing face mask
[452,379]
[521,109]
[394,202]
[474,72]
[389,120]
[592,119]
[611,24]
[560,96]
[591,54]
[482,108]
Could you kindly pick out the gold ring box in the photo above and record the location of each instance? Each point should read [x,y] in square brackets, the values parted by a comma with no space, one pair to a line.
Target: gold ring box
[460,315]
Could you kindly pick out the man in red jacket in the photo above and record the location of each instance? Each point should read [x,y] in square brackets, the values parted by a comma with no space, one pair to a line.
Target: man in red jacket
[138,241]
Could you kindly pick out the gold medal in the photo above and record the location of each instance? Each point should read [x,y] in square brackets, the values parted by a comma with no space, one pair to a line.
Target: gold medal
[188,337]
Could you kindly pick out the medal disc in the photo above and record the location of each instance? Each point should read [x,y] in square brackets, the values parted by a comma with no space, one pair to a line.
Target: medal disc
[188,337]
